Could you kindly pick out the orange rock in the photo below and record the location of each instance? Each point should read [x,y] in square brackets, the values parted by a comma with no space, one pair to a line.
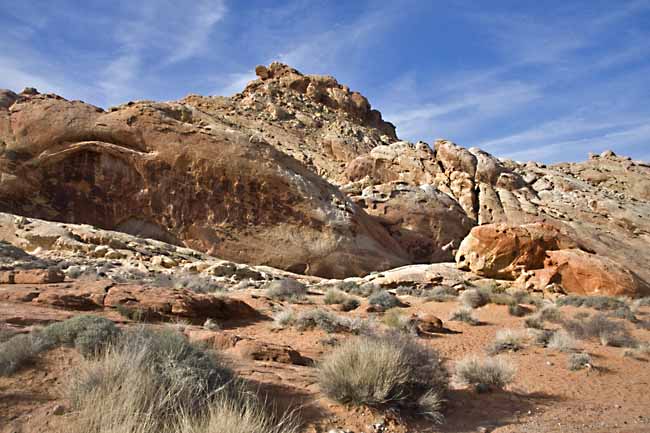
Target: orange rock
[505,251]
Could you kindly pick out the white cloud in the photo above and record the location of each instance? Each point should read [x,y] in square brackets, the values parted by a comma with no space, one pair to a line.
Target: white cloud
[232,83]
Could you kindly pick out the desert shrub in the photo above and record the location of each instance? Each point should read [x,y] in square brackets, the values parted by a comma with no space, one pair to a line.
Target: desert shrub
[6,334]
[625,313]
[441,294]
[578,361]
[534,322]
[550,313]
[517,310]
[398,321]
[484,374]
[474,298]
[172,375]
[286,290]
[507,340]
[350,304]
[325,320]
[391,370]
[356,288]
[609,333]
[384,300]
[18,352]
[501,298]
[88,334]
[541,337]
[334,296]
[523,297]
[562,341]
[131,313]
[464,315]
[642,350]
[157,382]
[596,302]
[283,318]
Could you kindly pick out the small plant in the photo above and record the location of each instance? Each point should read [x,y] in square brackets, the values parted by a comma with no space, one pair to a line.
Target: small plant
[484,374]
[18,352]
[474,298]
[641,351]
[517,310]
[541,337]
[135,314]
[398,321]
[284,318]
[442,294]
[464,315]
[562,341]
[286,290]
[549,313]
[534,322]
[322,319]
[578,361]
[609,333]
[350,304]
[390,370]
[88,334]
[507,340]
[596,302]
[384,300]
[333,296]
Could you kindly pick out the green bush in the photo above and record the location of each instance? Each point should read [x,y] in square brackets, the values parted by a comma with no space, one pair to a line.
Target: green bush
[381,371]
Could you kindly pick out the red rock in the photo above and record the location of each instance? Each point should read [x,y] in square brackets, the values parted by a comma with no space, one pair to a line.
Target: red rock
[582,273]
[504,251]
[32,276]
[261,351]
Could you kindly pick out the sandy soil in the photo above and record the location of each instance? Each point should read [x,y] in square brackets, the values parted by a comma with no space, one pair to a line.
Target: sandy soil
[545,397]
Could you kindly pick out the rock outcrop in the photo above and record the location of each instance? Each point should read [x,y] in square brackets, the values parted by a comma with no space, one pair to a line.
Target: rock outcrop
[171,172]
[505,251]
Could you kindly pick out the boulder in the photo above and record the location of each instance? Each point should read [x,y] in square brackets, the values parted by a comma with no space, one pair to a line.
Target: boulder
[582,273]
[505,251]
[262,351]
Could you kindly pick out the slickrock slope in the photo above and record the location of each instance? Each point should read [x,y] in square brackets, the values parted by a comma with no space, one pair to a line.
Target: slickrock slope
[170,172]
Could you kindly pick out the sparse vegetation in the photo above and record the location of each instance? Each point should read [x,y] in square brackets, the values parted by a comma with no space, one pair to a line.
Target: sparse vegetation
[398,321]
[156,381]
[441,294]
[596,302]
[391,370]
[517,310]
[562,341]
[484,374]
[474,298]
[384,300]
[88,334]
[609,333]
[286,290]
[284,318]
[18,352]
[578,361]
[334,296]
[507,340]
[464,315]
[350,304]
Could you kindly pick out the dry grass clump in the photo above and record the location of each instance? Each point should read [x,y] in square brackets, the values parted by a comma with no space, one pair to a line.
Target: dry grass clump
[380,371]
[609,333]
[156,381]
[641,351]
[578,361]
[464,315]
[484,374]
[507,340]
[398,321]
[517,310]
[334,296]
[284,318]
[474,298]
[441,294]
[18,352]
[562,341]
[596,302]
[330,322]
[196,283]
[355,287]
[384,300]
[546,313]
[286,290]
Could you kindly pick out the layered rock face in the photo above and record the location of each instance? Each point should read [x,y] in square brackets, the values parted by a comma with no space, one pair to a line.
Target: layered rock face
[299,172]
[168,171]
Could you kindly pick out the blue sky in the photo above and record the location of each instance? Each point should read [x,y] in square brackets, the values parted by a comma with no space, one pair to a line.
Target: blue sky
[529,80]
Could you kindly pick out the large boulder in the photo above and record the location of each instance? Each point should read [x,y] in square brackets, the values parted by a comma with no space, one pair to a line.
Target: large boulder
[167,171]
[582,273]
[505,251]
